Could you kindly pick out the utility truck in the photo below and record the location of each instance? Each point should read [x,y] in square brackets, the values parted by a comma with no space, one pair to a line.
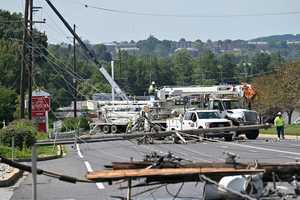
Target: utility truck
[233,110]
[201,119]
[232,102]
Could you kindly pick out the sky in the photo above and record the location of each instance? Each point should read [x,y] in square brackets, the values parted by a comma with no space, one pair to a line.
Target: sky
[99,26]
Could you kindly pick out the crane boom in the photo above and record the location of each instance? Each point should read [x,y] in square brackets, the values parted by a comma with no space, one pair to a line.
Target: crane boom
[113,84]
[90,54]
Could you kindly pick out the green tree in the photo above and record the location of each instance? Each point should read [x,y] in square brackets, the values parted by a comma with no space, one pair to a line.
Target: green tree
[8,100]
[261,63]
[279,90]
[205,69]
[183,67]
[226,68]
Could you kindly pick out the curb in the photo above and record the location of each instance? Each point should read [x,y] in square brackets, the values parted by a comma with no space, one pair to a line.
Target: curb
[19,173]
[12,179]
[291,137]
[60,154]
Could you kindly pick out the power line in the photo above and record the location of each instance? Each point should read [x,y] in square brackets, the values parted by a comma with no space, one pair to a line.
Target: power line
[44,172]
[128,12]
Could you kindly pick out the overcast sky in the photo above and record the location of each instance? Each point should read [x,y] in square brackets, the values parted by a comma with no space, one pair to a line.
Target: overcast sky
[100,26]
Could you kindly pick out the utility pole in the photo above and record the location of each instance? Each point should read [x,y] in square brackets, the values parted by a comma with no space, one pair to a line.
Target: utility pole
[30,60]
[113,77]
[75,70]
[24,62]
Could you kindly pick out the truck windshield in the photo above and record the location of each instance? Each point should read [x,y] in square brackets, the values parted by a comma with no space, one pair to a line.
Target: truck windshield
[232,104]
[208,115]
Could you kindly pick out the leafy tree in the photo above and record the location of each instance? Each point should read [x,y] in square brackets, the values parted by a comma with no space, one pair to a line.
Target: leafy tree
[289,86]
[7,104]
[280,90]
[9,63]
[261,63]
[226,68]
[183,67]
[205,69]
[12,26]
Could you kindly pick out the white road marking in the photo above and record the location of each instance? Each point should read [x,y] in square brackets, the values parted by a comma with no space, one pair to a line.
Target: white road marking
[224,147]
[78,151]
[253,151]
[267,149]
[100,186]
[290,157]
[88,166]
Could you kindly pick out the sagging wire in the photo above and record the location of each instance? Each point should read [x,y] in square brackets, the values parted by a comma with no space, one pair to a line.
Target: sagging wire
[60,177]
[176,196]
[153,189]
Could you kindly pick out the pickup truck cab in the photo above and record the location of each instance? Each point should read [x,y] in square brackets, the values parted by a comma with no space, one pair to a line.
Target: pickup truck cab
[198,119]
[233,109]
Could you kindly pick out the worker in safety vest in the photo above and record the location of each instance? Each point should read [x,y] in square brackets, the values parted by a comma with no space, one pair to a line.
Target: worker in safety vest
[129,126]
[279,124]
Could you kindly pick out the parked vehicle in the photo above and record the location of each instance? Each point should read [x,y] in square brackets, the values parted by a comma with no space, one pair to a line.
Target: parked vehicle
[233,110]
[201,119]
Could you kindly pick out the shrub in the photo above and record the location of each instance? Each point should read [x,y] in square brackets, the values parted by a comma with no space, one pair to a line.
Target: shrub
[23,131]
[72,123]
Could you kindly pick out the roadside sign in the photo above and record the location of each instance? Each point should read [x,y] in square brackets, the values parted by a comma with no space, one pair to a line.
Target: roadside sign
[40,109]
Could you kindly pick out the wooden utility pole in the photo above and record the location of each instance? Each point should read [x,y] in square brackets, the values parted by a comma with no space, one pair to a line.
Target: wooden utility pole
[30,60]
[75,71]
[24,62]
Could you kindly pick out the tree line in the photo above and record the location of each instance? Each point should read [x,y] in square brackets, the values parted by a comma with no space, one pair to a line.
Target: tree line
[53,69]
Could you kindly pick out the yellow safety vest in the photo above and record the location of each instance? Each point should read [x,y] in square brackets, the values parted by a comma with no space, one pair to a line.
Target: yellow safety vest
[279,121]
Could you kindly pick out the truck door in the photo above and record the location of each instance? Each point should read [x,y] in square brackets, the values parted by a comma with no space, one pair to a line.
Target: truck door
[217,105]
[190,120]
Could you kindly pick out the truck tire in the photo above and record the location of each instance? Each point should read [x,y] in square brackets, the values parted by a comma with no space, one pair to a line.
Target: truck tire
[114,129]
[106,129]
[252,135]
[228,137]
[155,129]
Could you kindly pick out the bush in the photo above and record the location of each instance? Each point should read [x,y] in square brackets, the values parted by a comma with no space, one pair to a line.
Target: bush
[72,123]
[23,131]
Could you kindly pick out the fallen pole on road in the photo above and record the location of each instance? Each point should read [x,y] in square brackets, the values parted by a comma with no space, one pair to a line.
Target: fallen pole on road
[114,137]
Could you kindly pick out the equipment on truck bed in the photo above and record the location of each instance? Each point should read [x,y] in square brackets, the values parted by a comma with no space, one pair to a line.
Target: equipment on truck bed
[228,99]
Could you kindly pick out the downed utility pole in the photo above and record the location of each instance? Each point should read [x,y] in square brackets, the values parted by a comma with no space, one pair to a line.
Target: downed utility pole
[110,175]
[284,171]
[115,137]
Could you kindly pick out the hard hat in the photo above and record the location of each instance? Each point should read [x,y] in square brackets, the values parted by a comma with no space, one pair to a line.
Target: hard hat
[153,82]
[279,113]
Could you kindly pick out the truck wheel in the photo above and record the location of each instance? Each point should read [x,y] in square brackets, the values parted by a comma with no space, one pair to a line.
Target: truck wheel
[228,137]
[175,140]
[155,129]
[252,135]
[114,129]
[106,129]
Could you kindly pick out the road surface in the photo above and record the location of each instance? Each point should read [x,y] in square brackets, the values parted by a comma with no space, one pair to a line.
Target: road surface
[89,157]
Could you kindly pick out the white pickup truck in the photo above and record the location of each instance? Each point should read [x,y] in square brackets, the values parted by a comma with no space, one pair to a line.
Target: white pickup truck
[198,119]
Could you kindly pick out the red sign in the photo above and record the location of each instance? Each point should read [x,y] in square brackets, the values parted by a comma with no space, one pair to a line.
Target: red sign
[40,103]
[40,118]
[40,107]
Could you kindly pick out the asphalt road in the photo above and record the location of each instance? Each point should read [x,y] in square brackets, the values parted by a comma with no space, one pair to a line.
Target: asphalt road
[94,156]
